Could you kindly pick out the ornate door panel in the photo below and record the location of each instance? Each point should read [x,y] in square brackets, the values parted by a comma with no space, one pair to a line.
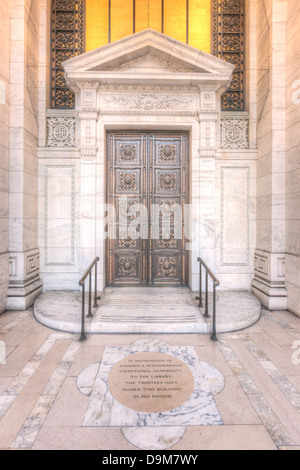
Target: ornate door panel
[147,187]
[168,193]
[127,190]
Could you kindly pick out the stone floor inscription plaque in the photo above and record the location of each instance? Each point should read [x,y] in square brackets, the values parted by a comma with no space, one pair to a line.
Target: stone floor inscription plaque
[181,389]
[151,382]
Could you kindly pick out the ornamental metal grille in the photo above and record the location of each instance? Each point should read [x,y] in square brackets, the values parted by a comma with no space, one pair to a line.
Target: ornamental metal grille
[67,41]
[228,44]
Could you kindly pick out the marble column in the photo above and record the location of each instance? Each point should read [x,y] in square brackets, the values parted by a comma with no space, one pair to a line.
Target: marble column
[25,284]
[269,281]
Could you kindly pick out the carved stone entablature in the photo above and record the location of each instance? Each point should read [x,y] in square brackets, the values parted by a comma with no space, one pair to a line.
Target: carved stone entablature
[138,76]
[60,131]
[234,133]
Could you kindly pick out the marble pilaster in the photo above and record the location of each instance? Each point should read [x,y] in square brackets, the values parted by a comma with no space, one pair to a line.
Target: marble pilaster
[25,284]
[4,151]
[271,187]
[293,160]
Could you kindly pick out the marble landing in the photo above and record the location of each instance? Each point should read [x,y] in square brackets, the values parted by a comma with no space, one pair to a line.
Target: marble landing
[147,310]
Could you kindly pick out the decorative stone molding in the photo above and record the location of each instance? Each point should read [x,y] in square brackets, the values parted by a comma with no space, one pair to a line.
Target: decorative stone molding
[24,265]
[25,284]
[261,265]
[88,115]
[208,100]
[269,282]
[208,117]
[143,88]
[60,131]
[208,134]
[234,133]
[269,266]
[32,263]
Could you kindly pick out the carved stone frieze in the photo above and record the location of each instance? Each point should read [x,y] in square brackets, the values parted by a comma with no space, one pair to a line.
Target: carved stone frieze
[148,102]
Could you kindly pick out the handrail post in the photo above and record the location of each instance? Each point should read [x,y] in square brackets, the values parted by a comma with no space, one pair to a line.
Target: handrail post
[208,273]
[90,296]
[82,284]
[214,332]
[96,287]
[200,305]
[200,290]
[206,315]
[82,337]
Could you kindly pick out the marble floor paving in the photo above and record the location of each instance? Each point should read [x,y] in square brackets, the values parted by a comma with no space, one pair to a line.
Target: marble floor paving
[249,382]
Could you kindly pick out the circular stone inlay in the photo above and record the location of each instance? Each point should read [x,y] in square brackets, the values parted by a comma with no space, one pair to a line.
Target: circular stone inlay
[151,382]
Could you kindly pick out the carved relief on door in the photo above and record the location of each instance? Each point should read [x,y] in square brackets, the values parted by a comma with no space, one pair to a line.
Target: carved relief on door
[147,191]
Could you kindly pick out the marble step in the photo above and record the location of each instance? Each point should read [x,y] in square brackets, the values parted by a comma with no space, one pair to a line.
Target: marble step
[62,311]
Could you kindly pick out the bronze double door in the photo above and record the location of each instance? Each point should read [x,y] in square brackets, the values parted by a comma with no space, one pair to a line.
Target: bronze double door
[147,192]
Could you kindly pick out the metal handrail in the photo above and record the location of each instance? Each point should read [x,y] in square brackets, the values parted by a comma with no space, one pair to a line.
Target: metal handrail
[87,273]
[216,283]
